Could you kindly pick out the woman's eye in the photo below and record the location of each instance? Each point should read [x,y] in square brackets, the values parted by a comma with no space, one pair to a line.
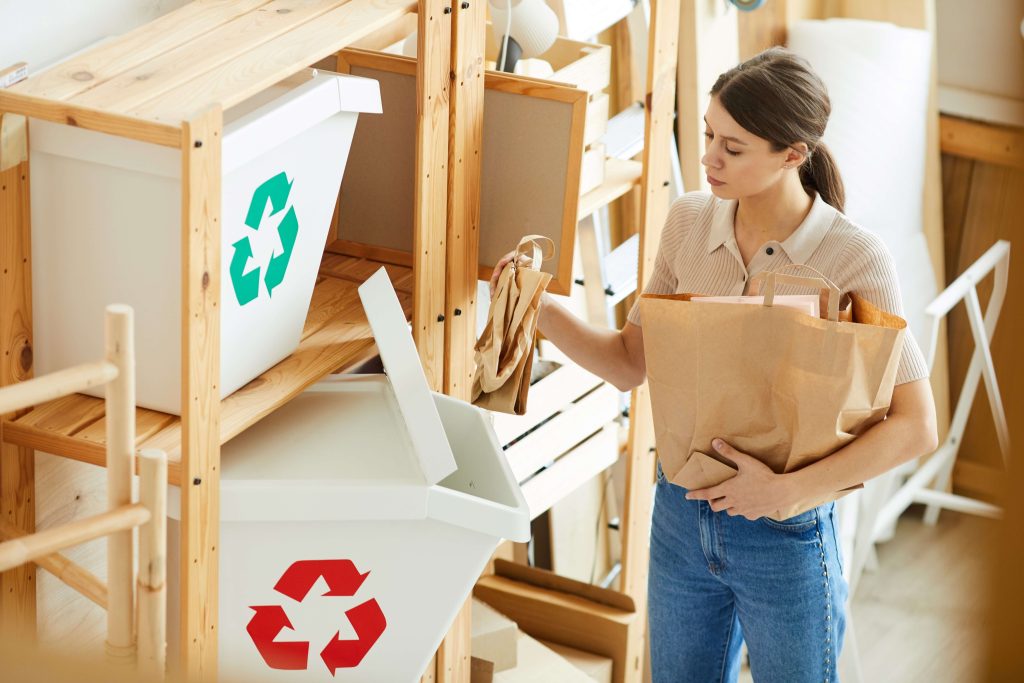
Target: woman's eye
[735,154]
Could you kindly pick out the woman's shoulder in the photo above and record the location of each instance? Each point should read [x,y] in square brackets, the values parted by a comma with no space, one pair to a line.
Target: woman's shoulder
[861,254]
[689,209]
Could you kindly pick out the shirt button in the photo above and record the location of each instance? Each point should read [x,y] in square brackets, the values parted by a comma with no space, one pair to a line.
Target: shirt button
[769,251]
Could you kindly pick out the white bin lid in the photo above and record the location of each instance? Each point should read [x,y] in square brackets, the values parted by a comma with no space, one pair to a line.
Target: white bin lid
[286,109]
[402,365]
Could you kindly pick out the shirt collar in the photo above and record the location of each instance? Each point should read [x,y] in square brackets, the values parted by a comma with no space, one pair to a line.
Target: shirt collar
[798,246]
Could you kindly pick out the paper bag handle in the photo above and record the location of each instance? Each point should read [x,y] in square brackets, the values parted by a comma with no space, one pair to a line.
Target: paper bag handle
[821,282]
[540,249]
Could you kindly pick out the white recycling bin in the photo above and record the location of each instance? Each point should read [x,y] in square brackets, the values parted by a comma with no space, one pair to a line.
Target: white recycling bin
[106,226]
[355,521]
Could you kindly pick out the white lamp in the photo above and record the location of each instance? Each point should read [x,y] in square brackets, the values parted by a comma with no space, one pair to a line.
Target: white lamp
[525,29]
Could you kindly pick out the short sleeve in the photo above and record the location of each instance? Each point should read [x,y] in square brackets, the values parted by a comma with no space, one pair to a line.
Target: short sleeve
[681,216]
[866,267]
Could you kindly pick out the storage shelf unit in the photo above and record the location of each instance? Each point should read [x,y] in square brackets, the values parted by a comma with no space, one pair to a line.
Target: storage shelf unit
[335,338]
[168,83]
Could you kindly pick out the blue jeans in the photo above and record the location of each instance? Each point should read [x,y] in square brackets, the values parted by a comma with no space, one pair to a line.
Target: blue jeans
[716,580]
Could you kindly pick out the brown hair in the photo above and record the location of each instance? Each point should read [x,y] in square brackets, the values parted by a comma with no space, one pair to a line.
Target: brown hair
[776,96]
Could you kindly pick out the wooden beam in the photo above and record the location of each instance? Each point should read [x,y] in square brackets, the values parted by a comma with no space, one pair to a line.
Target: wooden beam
[708,46]
[28,548]
[91,119]
[17,464]
[200,399]
[152,586]
[431,189]
[463,244]
[654,197]
[54,385]
[71,573]
[120,414]
[466,125]
[994,144]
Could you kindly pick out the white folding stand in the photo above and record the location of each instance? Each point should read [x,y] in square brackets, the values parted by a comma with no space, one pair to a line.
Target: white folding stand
[929,481]
[867,516]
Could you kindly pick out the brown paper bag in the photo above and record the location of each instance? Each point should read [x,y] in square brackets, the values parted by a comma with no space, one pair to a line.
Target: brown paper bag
[504,352]
[783,386]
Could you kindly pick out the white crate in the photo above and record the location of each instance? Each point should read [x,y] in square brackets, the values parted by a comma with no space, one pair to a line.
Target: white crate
[363,511]
[106,227]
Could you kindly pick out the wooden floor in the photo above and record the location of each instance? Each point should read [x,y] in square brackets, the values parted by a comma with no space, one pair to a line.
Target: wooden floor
[918,617]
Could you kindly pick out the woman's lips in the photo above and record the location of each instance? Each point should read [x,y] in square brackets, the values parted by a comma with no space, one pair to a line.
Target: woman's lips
[714,182]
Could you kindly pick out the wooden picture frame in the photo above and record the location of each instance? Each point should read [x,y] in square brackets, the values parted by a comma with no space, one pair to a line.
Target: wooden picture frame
[532,158]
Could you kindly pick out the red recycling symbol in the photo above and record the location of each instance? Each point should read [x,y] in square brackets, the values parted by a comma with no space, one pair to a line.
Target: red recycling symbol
[344,580]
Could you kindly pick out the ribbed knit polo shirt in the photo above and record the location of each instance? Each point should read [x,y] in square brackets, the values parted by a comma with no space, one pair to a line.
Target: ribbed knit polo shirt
[698,253]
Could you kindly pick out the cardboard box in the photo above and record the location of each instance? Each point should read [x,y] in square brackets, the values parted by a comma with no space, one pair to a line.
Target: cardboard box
[568,612]
[596,667]
[539,664]
[493,636]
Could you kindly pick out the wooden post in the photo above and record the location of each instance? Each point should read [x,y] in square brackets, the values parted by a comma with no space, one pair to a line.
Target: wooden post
[152,588]
[708,46]
[17,464]
[431,188]
[200,393]
[654,201]
[120,411]
[467,127]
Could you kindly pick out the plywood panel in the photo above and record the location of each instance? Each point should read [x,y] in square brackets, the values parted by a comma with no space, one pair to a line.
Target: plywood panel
[69,490]
[990,200]
[532,145]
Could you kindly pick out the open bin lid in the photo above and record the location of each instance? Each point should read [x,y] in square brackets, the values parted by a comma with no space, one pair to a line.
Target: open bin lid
[402,365]
[290,107]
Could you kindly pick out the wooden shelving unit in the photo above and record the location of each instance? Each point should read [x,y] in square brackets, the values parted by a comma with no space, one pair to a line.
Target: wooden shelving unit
[335,338]
[168,83]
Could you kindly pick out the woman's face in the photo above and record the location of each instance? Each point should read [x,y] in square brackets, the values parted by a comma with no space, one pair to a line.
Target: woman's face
[738,163]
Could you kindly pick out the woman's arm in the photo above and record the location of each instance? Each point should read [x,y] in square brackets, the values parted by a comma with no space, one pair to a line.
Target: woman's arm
[908,431]
[614,356]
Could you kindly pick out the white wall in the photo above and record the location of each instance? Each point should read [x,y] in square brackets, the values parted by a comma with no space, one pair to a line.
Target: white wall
[42,32]
[981,59]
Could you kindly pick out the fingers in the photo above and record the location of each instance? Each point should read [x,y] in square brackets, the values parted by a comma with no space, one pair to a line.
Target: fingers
[720,504]
[496,273]
[710,493]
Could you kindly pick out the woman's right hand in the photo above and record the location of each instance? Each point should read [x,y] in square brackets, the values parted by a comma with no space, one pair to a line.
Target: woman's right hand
[507,258]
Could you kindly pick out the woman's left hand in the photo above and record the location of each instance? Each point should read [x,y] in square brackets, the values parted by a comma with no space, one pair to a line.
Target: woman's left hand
[754,492]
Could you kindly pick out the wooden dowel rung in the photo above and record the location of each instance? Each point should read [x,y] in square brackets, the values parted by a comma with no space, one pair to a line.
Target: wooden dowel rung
[151,600]
[55,385]
[19,551]
[68,571]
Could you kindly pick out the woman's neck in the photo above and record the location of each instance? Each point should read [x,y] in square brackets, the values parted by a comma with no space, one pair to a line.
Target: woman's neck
[775,214]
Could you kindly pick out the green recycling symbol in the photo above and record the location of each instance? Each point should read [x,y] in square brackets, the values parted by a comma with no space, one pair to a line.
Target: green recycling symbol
[247,285]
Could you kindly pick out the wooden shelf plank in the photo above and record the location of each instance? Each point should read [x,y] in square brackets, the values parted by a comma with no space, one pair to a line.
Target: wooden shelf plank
[619,178]
[336,337]
[105,61]
[196,56]
[228,83]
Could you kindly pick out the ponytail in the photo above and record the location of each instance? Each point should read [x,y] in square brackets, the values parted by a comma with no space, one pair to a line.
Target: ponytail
[821,174]
[777,96]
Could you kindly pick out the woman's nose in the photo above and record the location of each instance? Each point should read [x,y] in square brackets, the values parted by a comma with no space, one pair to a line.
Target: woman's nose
[709,161]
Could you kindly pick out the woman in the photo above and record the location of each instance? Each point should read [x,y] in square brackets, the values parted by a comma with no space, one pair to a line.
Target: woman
[720,570]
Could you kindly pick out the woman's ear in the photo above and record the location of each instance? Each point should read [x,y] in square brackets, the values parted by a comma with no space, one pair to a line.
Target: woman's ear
[796,154]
